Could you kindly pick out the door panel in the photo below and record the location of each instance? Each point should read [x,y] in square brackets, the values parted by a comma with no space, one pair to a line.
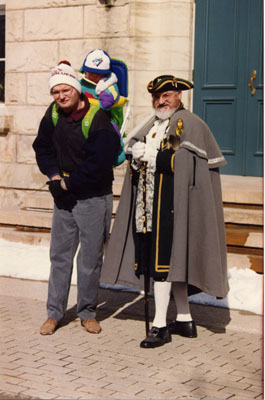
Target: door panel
[254,126]
[218,113]
[221,74]
[225,33]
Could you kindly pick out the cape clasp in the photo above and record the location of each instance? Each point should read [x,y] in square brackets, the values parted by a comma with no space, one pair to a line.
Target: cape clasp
[179,128]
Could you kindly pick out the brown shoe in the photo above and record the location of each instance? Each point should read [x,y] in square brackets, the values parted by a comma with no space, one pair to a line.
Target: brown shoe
[91,325]
[49,327]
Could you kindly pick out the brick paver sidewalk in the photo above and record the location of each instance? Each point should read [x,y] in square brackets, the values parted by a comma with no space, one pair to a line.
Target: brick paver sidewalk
[224,362]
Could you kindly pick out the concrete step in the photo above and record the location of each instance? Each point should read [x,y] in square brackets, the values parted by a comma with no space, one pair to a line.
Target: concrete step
[242,189]
[43,199]
[33,236]
[245,261]
[24,235]
[39,200]
[239,215]
[244,236]
[243,212]
[27,218]
[43,202]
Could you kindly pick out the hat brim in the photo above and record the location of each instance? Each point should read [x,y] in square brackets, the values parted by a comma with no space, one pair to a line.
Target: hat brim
[95,70]
[164,83]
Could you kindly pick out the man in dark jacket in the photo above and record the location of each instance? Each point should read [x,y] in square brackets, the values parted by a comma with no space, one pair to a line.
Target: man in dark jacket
[170,216]
[76,147]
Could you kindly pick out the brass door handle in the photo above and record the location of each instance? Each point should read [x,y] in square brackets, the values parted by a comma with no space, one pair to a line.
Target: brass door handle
[253,76]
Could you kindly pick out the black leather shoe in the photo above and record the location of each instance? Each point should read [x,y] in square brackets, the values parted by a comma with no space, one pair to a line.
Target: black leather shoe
[186,329]
[156,337]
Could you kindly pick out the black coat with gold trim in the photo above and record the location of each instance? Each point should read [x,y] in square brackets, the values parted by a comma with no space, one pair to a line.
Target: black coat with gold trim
[198,250]
[156,249]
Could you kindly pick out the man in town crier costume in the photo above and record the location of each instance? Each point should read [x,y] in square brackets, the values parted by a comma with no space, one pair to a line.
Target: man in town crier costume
[170,216]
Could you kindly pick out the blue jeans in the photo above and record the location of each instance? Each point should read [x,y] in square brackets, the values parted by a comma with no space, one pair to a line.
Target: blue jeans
[86,225]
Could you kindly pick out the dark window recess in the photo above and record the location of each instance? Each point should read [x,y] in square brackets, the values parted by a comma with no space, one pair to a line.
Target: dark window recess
[2,36]
[2,81]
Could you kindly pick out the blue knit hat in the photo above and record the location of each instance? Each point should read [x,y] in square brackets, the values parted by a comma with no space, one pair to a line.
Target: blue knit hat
[97,61]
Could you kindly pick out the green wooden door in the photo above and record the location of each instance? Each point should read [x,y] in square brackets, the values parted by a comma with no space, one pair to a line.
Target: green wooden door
[228,52]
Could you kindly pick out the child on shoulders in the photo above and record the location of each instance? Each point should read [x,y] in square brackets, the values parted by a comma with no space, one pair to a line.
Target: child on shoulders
[99,81]
[99,85]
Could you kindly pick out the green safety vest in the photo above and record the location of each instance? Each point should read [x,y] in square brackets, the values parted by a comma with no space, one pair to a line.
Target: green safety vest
[86,121]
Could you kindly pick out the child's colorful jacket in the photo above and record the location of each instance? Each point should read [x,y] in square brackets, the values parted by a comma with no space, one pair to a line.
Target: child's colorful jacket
[106,94]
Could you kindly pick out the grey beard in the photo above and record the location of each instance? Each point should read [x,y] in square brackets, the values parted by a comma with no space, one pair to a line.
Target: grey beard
[165,114]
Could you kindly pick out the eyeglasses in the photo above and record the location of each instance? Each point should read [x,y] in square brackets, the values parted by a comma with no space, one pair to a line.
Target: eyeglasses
[164,95]
[65,92]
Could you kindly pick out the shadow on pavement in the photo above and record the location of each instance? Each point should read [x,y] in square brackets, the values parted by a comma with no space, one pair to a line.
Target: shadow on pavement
[129,305]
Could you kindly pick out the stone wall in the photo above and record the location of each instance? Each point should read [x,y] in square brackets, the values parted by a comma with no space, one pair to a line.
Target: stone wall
[152,37]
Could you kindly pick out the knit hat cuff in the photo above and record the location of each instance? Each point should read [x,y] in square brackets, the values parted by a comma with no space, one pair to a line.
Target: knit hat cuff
[64,74]
[96,70]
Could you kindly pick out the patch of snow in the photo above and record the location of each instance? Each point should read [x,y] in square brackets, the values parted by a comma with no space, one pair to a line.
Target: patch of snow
[24,261]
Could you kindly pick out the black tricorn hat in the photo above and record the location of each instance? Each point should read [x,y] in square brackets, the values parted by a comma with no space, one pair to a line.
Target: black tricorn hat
[168,82]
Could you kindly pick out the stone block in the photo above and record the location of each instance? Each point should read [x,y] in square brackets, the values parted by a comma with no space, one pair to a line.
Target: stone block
[242,189]
[2,109]
[139,114]
[76,50]
[26,218]
[26,4]
[8,148]
[26,119]
[121,48]
[11,198]
[255,239]
[5,123]
[111,3]
[25,152]
[37,89]
[243,216]
[163,54]
[15,87]
[31,56]
[38,200]
[173,19]
[120,171]
[81,2]
[139,87]
[113,21]
[27,237]
[245,236]
[20,176]
[60,23]
[14,26]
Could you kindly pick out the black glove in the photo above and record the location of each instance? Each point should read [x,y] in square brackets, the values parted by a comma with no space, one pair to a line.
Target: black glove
[63,199]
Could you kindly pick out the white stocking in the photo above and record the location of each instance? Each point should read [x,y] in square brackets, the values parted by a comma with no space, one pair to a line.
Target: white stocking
[180,293]
[162,296]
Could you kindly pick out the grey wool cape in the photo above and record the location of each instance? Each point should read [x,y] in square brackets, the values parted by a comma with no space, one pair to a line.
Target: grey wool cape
[198,254]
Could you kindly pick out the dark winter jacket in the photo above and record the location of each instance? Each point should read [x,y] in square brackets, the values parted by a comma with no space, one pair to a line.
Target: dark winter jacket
[64,149]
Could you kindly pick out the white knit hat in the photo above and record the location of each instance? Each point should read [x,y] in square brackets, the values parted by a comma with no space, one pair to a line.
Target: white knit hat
[63,73]
[97,61]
